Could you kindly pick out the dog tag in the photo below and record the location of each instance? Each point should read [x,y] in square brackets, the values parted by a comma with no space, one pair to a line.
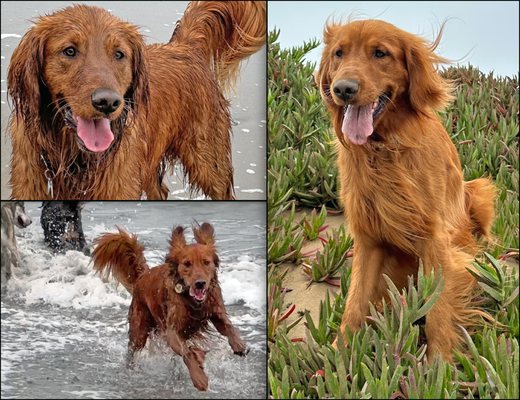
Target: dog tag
[178,288]
[50,188]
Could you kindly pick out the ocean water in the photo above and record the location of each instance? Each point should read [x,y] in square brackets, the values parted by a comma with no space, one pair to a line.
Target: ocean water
[64,330]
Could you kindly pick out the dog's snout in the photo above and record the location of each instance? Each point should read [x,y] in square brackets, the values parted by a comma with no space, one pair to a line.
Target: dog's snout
[200,284]
[106,100]
[346,89]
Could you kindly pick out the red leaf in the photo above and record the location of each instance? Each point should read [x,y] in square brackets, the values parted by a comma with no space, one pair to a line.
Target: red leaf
[287,313]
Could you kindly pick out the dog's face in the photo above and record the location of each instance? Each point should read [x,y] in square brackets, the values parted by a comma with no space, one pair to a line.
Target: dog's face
[371,68]
[195,265]
[91,67]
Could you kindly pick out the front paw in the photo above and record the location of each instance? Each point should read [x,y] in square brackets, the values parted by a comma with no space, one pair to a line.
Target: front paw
[240,348]
[200,381]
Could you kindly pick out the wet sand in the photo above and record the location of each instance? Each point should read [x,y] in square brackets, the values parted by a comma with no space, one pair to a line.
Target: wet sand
[157,21]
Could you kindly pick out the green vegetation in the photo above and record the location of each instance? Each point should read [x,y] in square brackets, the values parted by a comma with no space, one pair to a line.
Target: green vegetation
[385,359]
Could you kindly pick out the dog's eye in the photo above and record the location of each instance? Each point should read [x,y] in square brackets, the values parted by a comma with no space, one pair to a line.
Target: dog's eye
[119,55]
[379,53]
[206,262]
[339,53]
[70,51]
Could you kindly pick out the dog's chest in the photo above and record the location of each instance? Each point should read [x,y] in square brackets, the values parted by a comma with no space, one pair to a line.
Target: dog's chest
[190,321]
[380,198]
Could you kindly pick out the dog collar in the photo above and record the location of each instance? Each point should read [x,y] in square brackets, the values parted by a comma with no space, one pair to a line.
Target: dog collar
[179,287]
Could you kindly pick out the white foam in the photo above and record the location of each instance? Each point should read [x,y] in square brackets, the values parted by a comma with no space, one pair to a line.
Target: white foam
[244,281]
[252,191]
[8,35]
[68,280]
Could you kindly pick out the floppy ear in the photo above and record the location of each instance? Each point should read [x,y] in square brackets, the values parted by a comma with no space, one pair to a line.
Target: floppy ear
[427,89]
[24,78]
[322,77]
[139,92]
[204,234]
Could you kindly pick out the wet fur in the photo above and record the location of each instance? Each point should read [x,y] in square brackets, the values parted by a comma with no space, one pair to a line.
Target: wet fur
[157,307]
[403,191]
[174,108]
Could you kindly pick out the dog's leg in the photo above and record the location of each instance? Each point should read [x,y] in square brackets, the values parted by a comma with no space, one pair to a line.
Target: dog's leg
[226,328]
[140,323]
[193,357]
[213,177]
[451,309]
[207,158]
[364,284]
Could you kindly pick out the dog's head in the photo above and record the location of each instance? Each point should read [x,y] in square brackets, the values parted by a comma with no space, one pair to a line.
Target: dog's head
[371,68]
[83,69]
[193,267]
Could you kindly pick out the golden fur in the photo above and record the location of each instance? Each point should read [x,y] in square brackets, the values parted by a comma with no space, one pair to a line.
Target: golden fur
[402,187]
[172,107]
[163,299]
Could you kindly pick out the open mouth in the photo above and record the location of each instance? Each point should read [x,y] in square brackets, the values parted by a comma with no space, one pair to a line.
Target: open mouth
[358,121]
[93,134]
[198,294]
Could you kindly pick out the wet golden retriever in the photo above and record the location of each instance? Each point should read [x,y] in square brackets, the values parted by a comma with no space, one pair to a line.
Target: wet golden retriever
[100,115]
[176,300]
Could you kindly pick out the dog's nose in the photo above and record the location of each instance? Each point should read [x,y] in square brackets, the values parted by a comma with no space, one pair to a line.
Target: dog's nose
[105,100]
[346,89]
[200,284]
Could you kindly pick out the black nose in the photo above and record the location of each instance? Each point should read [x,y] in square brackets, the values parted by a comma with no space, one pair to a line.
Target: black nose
[200,284]
[346,89]
[105,100]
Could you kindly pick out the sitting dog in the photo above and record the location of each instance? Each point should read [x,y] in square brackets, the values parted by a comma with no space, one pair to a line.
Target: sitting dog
[62,228]
[13,214]
[176,300]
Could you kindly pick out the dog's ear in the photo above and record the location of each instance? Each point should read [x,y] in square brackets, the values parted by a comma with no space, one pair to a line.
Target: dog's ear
[178,241]
[139,92]
[177,244]
[427,89]
[322,77]
[24,78]
[204,234]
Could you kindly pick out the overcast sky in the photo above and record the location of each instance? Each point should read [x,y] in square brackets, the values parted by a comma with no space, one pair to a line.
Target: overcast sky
[484,34]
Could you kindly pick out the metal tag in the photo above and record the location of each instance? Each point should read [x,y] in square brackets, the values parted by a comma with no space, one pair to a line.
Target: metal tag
[50,188]
[179,288]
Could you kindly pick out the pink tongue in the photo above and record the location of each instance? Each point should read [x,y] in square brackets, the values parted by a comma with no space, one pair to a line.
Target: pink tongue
[95,133]
[199,294]
[358,123]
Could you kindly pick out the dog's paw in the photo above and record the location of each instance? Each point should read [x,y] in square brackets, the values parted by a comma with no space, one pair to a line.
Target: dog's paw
[200,380]
[242,352]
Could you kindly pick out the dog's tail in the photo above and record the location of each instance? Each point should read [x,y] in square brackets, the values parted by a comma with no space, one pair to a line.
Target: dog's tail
[480,205]
[225,32]
[121,255]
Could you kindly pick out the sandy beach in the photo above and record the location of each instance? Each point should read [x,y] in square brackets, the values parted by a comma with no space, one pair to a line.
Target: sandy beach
[157,21]
[303,295]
